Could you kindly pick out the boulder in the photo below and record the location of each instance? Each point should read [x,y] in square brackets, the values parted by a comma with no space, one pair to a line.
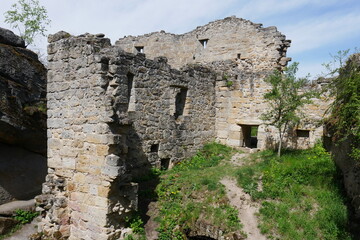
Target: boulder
[9,209]
[22,120]
[9,38]
[22,96]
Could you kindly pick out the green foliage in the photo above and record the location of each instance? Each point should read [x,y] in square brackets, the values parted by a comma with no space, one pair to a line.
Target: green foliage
[39,107]
[135,237]
[25,216]
[210,156]
[285,99]
[191,191]
[345,110]
[254,131]
[29,18]
[229,83]
[136,224]
[225,76]
[301,196]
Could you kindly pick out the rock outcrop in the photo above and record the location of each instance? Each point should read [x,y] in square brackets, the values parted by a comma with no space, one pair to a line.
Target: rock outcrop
[345,134]
[22,119]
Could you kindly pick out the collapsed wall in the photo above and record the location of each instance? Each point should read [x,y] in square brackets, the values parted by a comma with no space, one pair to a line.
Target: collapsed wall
[111,116]
[243,54]
[226,39]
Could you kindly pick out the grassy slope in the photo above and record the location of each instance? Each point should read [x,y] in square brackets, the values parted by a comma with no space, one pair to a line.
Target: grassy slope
[300,194]
[191,191]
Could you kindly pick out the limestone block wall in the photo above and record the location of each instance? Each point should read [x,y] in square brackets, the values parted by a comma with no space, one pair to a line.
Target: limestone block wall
[85,157]
[229,38]
[239,104]
[111,116]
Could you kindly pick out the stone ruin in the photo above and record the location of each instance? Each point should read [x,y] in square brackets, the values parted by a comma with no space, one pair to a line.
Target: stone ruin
[150,101]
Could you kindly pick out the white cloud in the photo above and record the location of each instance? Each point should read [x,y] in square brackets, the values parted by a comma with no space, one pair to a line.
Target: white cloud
[260,9]
[318,32]
[310,24]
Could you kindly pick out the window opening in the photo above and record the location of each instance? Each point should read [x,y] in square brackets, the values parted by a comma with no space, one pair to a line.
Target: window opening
[154,148]
[204,42]
[238,56]
[130,82]
[180,100]
[140,49]
[302,133]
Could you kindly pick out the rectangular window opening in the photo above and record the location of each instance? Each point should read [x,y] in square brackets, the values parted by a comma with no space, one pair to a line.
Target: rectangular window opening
[154,148]
[130,97]
[204,42]
[140,49]
[180,100]
[238,56]
[302,133]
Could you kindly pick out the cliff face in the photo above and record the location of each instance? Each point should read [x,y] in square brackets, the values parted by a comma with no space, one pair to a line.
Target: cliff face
[22,119]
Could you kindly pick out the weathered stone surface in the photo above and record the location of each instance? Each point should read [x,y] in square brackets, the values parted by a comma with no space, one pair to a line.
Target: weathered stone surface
[99,140]
[8,209]
[22,120]
[7,37]
[22,103]
[112,115]
[57,36]
[244,40]
[243,54]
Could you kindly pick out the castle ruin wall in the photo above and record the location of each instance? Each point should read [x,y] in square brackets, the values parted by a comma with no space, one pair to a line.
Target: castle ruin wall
[230,38]
[111,116]
[243,54]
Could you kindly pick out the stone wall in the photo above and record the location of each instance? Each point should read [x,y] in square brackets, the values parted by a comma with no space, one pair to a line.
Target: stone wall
[350,170]
[230,38]
[243,54]
[111,116]
[240,103]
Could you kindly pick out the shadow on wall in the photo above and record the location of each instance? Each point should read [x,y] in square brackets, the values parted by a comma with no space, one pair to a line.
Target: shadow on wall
[142,172]
[139,175]
[21,173]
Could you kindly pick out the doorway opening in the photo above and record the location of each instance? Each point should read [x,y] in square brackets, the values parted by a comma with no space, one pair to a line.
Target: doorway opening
[249,135]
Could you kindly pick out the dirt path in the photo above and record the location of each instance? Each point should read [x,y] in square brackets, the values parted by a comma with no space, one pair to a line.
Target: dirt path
[243,203]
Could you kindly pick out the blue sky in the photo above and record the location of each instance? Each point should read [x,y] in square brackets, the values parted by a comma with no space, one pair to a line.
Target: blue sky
[317,28]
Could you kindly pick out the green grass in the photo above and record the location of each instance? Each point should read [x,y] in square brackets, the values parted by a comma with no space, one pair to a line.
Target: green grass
[23,217]
[301,196]
[191,192]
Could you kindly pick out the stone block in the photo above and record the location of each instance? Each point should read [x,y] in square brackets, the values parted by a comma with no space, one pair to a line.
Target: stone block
[68,163]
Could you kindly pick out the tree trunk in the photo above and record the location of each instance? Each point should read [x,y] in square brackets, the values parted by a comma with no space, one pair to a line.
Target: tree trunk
[279,149]
[280,142]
